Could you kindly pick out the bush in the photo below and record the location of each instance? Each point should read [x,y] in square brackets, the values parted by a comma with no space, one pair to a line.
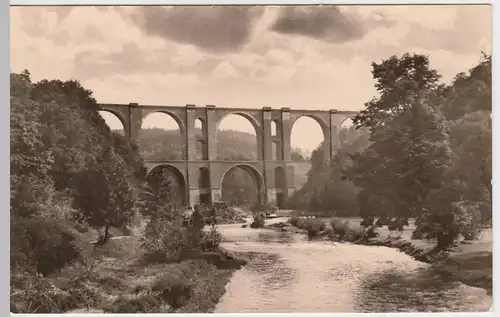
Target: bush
[382,221]
[258,221]
[142,302]
[346,230]
[168,237]
[44,243]
[212,239]
[175,291]
[367,222]
[397,224]
[294,221]
[370,233]
[33,293]
[447,222]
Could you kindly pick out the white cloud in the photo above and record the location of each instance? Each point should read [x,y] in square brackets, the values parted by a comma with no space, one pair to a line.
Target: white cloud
[224,70]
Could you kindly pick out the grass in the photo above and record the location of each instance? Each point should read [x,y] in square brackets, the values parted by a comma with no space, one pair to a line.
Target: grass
[117,282]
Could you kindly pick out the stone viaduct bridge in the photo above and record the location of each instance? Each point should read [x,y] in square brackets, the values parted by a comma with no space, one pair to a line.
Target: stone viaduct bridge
[200,175]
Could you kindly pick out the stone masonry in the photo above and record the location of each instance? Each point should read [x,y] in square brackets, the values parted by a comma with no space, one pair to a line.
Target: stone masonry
[273,169]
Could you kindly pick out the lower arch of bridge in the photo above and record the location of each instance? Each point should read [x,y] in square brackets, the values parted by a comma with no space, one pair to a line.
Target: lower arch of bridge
[257,178]
[161,174]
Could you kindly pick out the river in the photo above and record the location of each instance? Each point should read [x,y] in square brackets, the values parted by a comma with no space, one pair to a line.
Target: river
[288,273]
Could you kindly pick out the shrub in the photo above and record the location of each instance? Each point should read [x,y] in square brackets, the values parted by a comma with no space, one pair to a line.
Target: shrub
[382,221]
[212,239]
[173,289]
[346,230]
[371,233]
[167,236]
[142,302]
[33,293]
[367,222]
[294,221]
[446,222]
[258,221]
[44,244]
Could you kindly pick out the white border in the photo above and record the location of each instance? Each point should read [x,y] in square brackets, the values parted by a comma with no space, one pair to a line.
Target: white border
[247,2]
[4,33]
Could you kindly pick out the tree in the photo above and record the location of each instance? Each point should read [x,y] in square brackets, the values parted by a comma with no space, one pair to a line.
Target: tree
[105,196]
[398,81]
[297,155]
[406,161]
[469,92]
[315,202]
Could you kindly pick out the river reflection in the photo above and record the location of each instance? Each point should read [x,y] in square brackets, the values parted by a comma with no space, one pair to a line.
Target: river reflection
[288,273]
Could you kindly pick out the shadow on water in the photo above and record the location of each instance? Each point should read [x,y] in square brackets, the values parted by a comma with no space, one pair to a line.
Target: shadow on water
[272,269]
[416,291]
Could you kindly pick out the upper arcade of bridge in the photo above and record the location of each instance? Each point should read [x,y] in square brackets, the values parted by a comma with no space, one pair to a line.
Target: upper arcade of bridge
[131,116]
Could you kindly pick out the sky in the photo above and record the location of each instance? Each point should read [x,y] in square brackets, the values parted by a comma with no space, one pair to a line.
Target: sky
[251,57]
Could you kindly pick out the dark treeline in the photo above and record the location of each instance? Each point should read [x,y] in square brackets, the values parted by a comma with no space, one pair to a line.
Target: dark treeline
[423,151]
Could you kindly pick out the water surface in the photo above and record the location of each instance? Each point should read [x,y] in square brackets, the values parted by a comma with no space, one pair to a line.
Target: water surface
[288,273]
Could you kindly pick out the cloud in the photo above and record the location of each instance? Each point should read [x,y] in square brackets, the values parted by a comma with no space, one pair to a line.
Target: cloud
[225,70]
[213,29]
[471,25]
[327,23]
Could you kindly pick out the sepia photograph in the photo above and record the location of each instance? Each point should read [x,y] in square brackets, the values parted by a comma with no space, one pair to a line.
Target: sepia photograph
[251,159]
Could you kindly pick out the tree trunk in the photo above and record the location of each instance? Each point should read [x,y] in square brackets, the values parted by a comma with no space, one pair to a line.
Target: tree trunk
[106,234]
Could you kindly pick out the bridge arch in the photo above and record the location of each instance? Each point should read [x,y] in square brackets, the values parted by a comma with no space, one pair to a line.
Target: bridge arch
[256,176]
[157,176]
[310,144]
[323,125]
[254,122]
[113,121]
[173,115]
[164,128]
[108,113]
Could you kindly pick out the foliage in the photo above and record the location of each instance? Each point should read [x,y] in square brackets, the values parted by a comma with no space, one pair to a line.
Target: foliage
[423,150]
[407,159]
[68,171]
[446,222]
[430,152]
[398,80]
[211,239]
[258,220]
[167,237]
[326,184]
[106,197]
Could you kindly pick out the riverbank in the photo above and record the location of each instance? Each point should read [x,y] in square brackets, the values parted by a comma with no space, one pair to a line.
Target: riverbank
[119,282]
[469,263]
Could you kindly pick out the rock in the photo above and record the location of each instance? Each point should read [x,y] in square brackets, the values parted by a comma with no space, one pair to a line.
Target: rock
[244,225]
